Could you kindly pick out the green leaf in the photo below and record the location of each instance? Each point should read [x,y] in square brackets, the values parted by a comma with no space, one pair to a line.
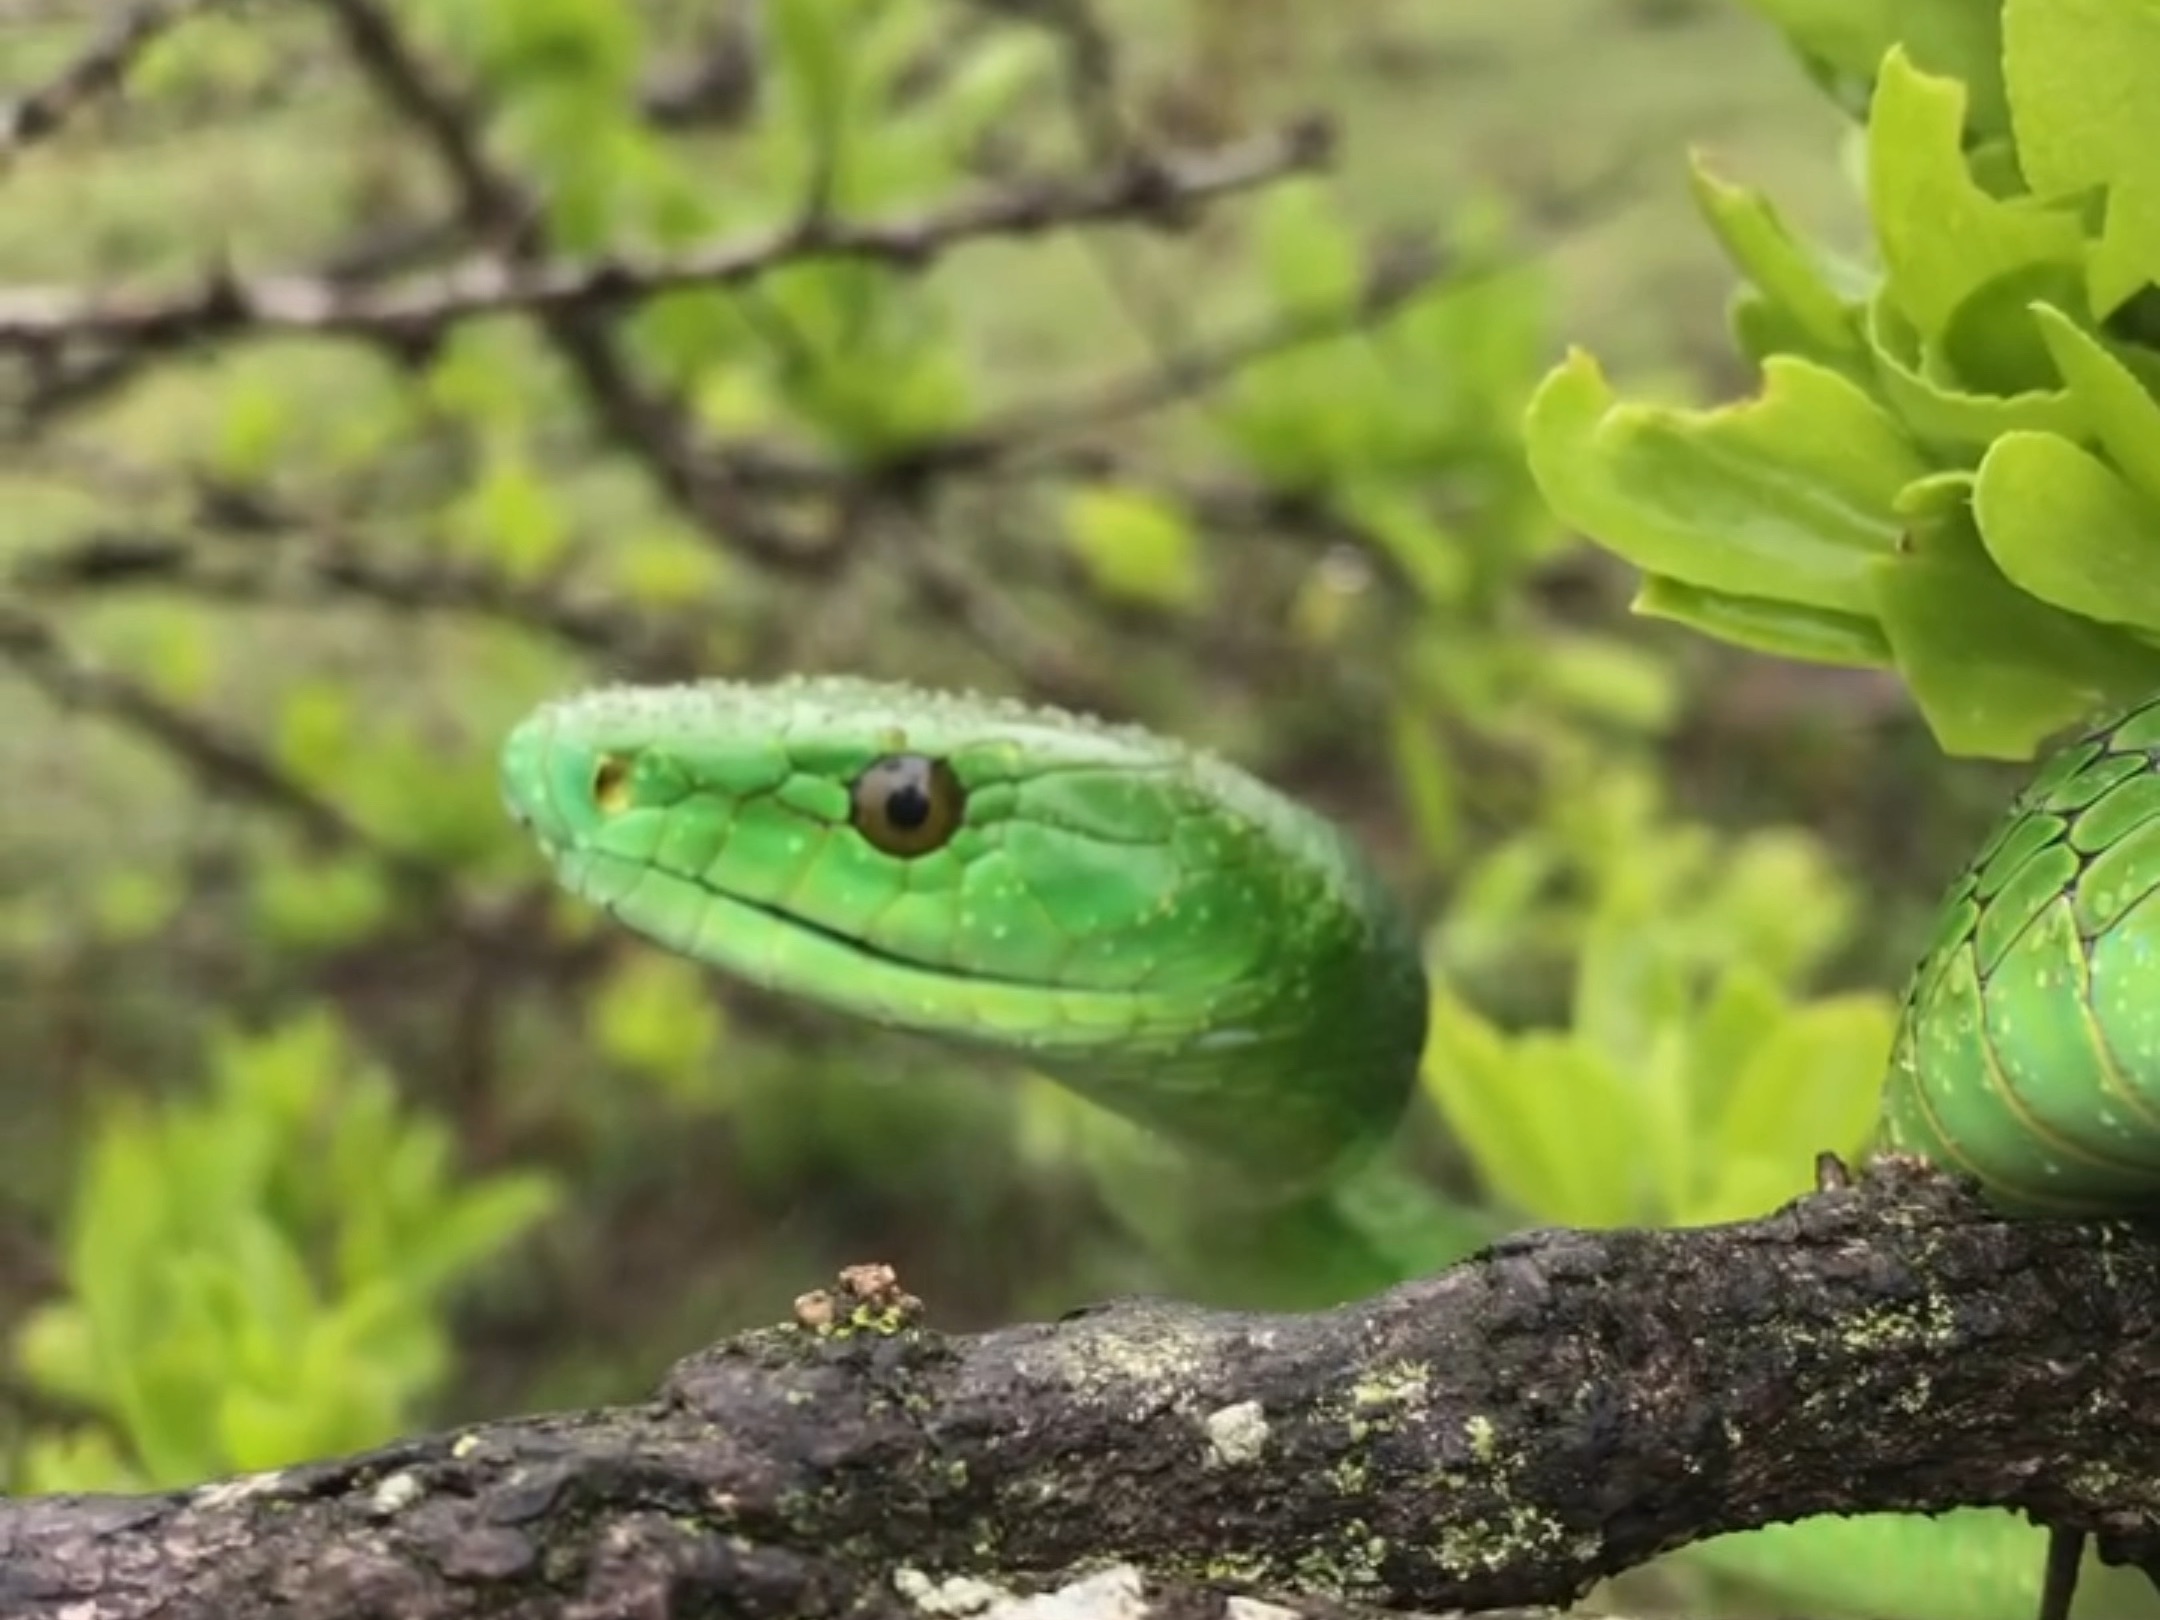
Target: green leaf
[1962,40]
[1811,1084]
[319,900]
[1942,236]
[133,902]
[1995,671]
[511,517]
[2113,406]
[2062,526]
[2081,75]
[1939,411]
[1787,497]
[1552,1129]
[1426,772]
[1308,255]
[1763,626]
[1847,35]
[656,1014]
[811,62]
[1743,1001]
[1136,545]
[1614,681]
[1784,269]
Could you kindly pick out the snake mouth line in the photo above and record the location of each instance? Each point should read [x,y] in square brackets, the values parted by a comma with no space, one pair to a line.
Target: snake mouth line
[856,949]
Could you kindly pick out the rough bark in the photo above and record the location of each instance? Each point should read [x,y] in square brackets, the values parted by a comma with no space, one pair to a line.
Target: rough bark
[1561,1407]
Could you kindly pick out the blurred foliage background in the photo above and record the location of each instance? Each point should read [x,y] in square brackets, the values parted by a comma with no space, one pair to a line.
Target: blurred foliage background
[372,370]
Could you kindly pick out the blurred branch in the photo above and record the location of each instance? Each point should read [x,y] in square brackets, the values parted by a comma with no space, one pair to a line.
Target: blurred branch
[1392,283]
[39,112]
[326,565]
[1563,1407]
[220,762]
[652,427]
[44,317]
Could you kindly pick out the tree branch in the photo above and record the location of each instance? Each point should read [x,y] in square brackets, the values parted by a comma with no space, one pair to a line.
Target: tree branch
[1560,1408]
[40,112]
[41,317]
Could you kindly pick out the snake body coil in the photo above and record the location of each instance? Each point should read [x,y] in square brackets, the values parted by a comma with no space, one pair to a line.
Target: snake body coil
[2028,1056]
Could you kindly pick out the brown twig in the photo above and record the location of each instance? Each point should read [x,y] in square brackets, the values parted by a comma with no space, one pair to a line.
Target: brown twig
[44,317]
[220,762]
[41,111]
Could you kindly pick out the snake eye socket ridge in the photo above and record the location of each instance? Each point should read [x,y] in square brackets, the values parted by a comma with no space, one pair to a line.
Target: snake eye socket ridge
[611,782]
[907,804]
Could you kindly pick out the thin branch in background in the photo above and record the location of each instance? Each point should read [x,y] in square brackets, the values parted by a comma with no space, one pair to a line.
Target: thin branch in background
[653,427]
[40,112]
[424,306]
[337,567]
[219,761]
[1391,283]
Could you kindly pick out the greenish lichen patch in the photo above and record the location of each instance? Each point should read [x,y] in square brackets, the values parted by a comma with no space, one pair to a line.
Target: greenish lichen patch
[1928,1323]
[1483,1435]
[1401,1383]
[1348,1567]
[1518,1536]
[2116,1489]
[1134,1363]
[1379,1401]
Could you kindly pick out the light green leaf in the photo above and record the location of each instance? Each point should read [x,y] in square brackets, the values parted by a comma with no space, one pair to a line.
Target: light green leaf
[1551,1127]
[656,1014]
[1996,671]
[1777,628]
[1782,267]
[1426,771]
[1743,1002]
[2062,526]
[1942,236]
[1309,256]
[1431,556]
[511,517]
[1811,1084]
[2114,406]
[2081,75]
[1848,35]
[1616,681]
[1136,545]
[811,62]
[319,900]
[1786,497]
[1941,412]
[1961,40]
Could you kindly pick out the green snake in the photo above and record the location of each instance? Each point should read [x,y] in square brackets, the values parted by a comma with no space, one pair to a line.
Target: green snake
[1191,950]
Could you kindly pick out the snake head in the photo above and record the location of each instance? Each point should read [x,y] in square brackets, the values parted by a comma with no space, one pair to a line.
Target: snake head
[1136,919]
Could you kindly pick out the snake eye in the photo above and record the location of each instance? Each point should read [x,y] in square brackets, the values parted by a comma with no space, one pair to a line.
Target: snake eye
[907,804]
